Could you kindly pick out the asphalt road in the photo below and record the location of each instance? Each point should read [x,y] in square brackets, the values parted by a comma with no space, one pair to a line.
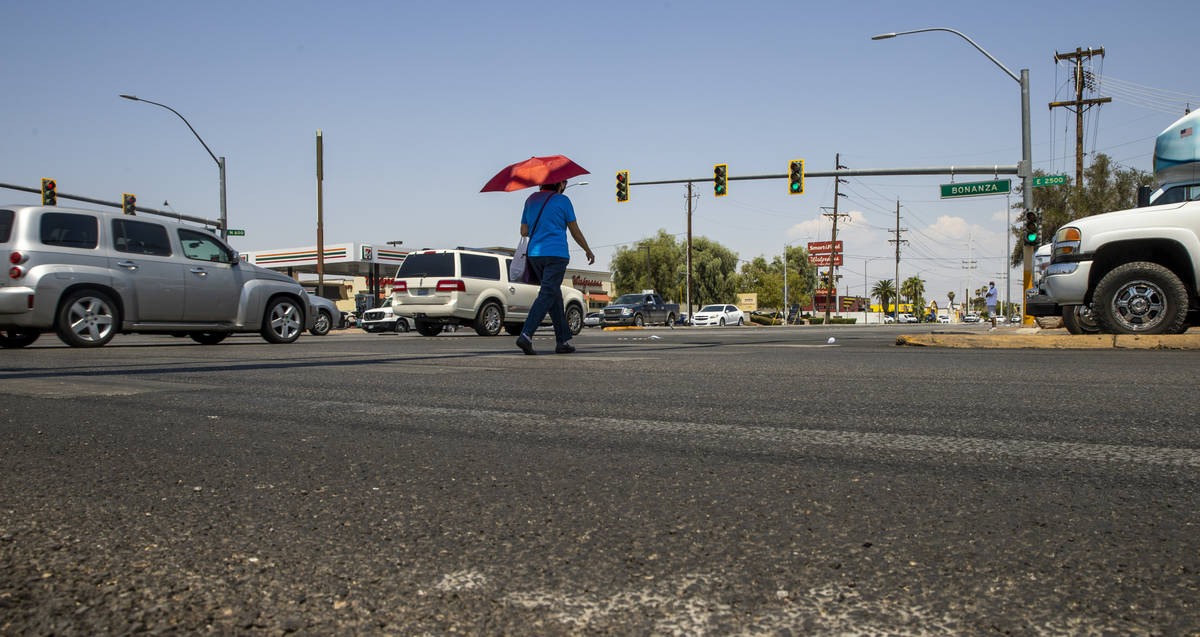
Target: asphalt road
[703,481]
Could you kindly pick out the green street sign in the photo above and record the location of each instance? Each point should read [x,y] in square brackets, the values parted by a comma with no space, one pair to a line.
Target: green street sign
[235,233]
[976,188]
[1050,180]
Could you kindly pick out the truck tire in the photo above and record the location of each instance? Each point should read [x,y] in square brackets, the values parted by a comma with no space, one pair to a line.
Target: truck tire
[1141,298]
[489,319]
[574,319]
[638,320]
[670,319]
[425,328]
[1079,319]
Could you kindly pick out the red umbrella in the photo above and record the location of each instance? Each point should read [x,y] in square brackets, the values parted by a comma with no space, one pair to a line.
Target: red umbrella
[534,171]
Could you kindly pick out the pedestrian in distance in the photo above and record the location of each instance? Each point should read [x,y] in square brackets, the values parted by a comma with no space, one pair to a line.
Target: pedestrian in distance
[550,215]
[990,300]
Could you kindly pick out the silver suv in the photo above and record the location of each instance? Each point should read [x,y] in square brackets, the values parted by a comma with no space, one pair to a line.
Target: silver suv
[88,275]
[469,287]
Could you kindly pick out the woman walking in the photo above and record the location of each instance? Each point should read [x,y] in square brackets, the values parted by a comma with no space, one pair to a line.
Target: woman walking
[547,218]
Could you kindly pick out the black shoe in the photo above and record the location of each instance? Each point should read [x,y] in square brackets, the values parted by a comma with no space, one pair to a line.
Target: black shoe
[565,348]
[526,345]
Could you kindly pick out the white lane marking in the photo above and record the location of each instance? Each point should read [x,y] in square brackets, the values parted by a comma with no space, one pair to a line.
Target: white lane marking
[797,439]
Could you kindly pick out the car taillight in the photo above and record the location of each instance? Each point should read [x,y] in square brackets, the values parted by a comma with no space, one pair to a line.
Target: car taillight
[451,285]
[15,272]
[15,258]
[400,286]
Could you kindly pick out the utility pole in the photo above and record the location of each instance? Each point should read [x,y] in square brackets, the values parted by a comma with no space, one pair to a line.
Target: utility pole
[320,216]
[689,252]
[1079,105]
[829,284]
[897,241]
[968,265]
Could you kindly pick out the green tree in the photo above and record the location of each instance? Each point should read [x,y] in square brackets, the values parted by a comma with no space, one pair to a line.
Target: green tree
[1106,188]
[950,295]
[714,272]
[913,289]
[666,271]
[765,278]
[885,291]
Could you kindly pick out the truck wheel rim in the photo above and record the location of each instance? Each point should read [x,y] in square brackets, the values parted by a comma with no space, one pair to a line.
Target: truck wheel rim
[90,319]
[1139,305]
[491,319]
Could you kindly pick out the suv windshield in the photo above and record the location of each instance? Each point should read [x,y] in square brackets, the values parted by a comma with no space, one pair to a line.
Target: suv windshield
[427,264]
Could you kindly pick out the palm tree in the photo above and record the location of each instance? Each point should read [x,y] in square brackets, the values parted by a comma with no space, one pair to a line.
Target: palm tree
[914,289]
[884,291]
[950,295]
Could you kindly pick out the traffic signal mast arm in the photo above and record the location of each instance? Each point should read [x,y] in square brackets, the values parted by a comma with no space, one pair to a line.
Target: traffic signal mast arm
[998,169]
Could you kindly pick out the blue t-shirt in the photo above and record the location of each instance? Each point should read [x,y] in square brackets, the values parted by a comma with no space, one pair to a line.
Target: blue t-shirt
[549,238]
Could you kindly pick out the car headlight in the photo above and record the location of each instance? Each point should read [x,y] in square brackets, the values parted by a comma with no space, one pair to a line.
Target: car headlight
[1066,241]
[625,311]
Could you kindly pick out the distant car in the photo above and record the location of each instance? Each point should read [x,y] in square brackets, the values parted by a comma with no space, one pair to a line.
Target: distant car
[593,319]
[719,315]
[971,318]
[888,318]
[908,318]
[328,315]
[382,319]
[943,319]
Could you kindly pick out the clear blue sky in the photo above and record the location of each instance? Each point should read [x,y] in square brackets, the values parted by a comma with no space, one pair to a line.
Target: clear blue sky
[421,103]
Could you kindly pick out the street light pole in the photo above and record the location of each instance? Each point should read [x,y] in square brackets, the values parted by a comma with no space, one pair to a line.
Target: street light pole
[220,160]
[1026,169]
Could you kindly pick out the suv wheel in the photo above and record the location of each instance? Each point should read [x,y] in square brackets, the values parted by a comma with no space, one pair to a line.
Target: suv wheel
[1141,298]
[1079,319]
[208,338]
[322,324]
[10,339]
[425,328]
[489,320]
[87,318]
[401,325]
[283,321]
[574,320]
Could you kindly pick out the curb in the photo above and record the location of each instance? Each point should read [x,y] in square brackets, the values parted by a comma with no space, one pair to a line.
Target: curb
[1052,341]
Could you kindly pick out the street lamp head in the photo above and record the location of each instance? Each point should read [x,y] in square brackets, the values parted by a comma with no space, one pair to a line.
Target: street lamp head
[130,97]
[883,36]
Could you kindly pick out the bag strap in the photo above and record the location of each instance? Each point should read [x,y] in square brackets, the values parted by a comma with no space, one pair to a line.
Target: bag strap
[539,217]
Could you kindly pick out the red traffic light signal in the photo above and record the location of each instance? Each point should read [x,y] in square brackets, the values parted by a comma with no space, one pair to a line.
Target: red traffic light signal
[49,195]
[128,204]
[623,186]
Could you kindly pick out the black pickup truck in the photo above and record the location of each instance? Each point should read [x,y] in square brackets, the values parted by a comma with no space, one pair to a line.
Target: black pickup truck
[645,308]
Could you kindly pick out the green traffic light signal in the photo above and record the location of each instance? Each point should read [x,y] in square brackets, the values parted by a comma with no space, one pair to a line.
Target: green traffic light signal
[720,179]
[796,177]
[1032,228]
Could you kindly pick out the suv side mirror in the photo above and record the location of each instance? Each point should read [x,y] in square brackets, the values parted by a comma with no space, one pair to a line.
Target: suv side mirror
[1143,196]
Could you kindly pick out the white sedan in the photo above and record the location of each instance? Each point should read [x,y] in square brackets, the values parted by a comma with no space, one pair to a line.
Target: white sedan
[719,315]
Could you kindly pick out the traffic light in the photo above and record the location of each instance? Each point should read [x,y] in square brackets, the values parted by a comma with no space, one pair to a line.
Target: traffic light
[623,186]
[720,180]
[128,204]
[796,177]
[1030,231]
[49,196]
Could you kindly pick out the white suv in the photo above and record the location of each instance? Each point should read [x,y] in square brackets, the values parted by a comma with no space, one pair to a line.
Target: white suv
[88,275]
[469,287]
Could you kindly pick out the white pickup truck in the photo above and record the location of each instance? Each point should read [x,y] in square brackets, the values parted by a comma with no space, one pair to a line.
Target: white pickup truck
[1134,271]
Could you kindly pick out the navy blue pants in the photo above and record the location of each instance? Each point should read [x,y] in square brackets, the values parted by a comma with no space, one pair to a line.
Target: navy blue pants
[550,271]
